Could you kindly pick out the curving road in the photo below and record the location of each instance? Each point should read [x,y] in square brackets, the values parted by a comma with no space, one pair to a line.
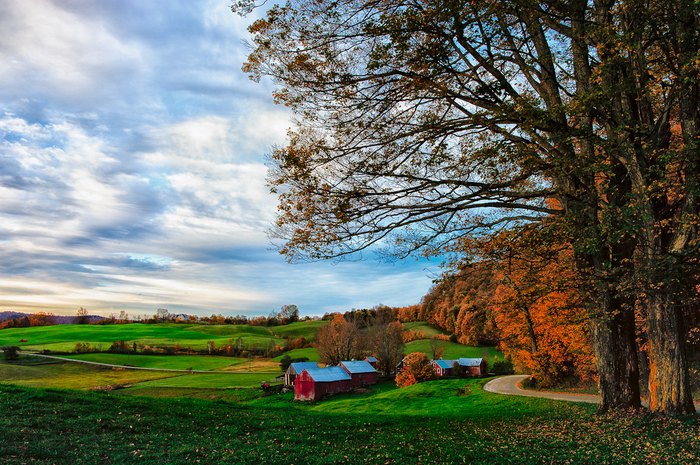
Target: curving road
[510,385]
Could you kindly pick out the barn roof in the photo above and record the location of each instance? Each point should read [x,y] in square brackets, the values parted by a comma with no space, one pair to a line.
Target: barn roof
[358,366]
[372,359]
[328,374]
[470,362]
[445,363]
[298,367]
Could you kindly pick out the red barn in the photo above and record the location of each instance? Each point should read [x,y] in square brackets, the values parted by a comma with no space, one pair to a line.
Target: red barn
[444,367]
[316,383]
[472,366]
[372,361]
[361,371]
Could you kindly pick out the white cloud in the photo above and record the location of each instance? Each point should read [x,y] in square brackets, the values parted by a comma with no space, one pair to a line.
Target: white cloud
[53,51]
[132,168]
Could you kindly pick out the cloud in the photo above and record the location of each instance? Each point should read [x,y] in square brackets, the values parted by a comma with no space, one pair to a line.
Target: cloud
[132,168]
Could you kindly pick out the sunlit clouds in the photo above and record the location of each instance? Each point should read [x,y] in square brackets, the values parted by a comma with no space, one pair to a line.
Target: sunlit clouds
[132,169]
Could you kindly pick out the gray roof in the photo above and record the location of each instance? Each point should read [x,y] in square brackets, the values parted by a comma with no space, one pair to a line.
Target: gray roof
[470,362]
[328,374]
[298,367]
[358,366]
[445,363]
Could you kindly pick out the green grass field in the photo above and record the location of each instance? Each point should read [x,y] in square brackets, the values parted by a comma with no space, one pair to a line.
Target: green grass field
[212,381]
[194,336]
[72,376]
[305,329]
[87,377]
[441,422]
[423,327]
[454,350]
[309,352]
[172,362]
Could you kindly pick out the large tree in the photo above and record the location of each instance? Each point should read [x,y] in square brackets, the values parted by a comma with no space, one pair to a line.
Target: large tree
[423,121]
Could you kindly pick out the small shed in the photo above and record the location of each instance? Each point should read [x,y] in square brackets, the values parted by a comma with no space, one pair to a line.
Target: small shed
[295,370]
[374,361]
[316,383]
[361,371]
[472,366]
[443,367]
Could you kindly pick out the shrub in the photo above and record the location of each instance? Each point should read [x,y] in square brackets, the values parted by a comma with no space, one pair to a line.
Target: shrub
[11,352]
[416,368]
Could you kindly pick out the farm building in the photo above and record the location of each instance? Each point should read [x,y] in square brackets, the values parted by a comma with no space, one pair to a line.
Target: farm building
[460,367]
[316,383]
[295,370]
[472,366]
[361,371]
[444,367]
[374,361]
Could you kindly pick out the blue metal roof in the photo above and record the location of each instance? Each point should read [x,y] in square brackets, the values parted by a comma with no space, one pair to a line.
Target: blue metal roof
[298,367]
[470,362]
[372,359]
[445,363]
[323,375]
[358,366]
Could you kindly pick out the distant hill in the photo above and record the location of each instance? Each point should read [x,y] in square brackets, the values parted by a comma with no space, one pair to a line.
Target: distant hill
[59,319]
[10,315]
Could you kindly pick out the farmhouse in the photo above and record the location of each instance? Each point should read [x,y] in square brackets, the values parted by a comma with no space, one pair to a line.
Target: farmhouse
[295,370]
[316,383]
[472,366]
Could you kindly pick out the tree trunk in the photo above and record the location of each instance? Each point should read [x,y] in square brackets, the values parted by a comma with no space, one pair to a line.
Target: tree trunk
[615,347]
[669,382]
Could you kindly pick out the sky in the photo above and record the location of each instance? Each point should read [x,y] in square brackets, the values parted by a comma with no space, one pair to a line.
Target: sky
[132,169]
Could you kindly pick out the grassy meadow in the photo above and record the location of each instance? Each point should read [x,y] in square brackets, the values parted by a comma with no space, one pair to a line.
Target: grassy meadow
[440,422]
[138,416]
[193,336]
[170,362]
[454,350]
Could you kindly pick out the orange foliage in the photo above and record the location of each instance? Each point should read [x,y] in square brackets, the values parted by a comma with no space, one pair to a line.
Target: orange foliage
[522,294]
[416,368]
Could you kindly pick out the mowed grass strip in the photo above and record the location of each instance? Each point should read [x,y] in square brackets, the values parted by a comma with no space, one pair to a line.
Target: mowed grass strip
[170,362]
[46,426]
[423,327]
[212,381]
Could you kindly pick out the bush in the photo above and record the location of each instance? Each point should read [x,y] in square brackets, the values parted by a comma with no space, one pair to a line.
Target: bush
[119,347]
[83,347]
[11,352]
[504,367]
[416,368]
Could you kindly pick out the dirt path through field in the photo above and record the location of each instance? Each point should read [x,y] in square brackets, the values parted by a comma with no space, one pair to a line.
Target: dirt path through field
[510,385]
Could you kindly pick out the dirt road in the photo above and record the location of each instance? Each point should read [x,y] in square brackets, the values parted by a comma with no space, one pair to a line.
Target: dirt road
[510,385]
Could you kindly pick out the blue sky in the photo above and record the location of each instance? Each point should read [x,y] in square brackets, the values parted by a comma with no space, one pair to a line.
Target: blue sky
[132,169]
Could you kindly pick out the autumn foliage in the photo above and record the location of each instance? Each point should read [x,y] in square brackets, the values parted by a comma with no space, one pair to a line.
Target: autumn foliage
[416,368]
